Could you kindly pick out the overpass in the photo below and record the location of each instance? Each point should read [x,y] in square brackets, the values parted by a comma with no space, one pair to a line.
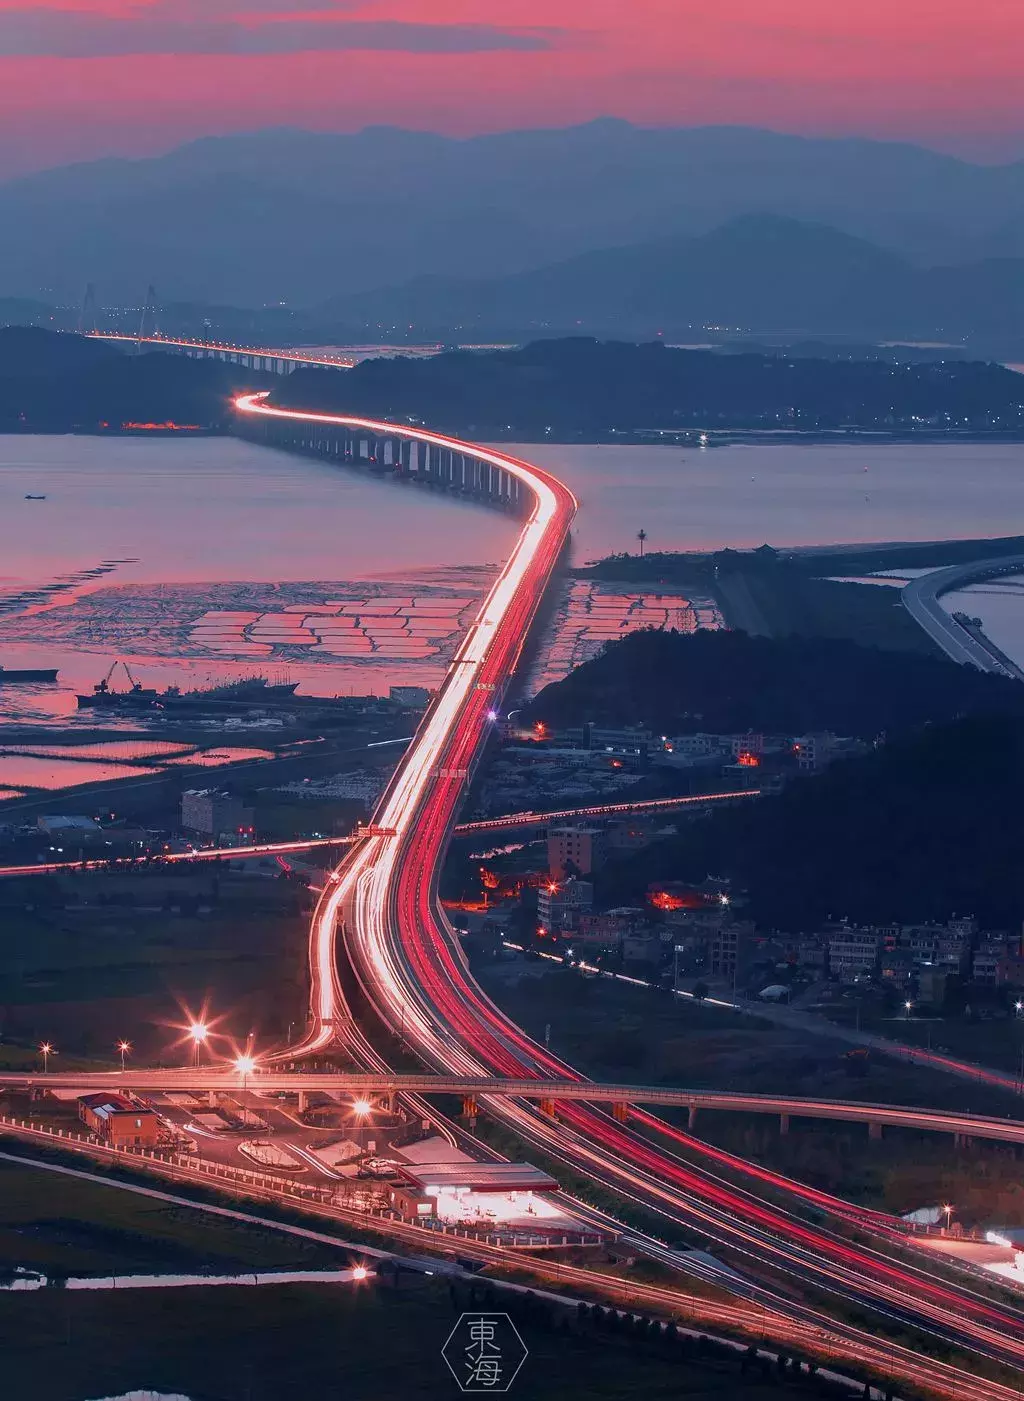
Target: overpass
[550,1092]
[278,362]
[963,643]
[509,821]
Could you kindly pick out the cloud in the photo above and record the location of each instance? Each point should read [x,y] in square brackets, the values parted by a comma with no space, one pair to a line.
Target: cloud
[246,27]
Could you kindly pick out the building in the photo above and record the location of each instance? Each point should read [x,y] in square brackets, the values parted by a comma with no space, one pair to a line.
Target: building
[854,953]
[730,950]
[608,929]
[118,1121]
[70,829]
[622,744]
[698,746]
[814,751]
[416,697]
[992,963]
[216,814]
[574,850]
[560,904]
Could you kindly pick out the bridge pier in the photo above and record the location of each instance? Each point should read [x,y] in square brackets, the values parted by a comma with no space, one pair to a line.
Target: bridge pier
[620,1111]
[547,1106]
[783,1124]
[874,1129]
[303,1101]
[691,1118]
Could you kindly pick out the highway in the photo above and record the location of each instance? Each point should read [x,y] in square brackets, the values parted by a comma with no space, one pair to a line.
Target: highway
[382,902]
[510,821]
[921,599]
[282,360]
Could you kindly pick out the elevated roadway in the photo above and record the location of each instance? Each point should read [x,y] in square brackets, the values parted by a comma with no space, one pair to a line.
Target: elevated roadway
[279,362]
[968,646]
[550,1091]
[507,823]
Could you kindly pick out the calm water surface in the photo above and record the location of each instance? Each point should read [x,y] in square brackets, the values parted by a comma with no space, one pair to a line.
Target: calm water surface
[141,523]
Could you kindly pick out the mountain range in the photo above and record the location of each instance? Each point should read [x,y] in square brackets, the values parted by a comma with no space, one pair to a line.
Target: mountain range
[301,217]
[757,274]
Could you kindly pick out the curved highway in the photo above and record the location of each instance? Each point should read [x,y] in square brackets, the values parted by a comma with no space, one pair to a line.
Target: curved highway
[382,901]
[921,596]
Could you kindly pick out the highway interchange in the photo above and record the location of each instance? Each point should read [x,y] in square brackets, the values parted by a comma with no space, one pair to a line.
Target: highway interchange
[379,917]
[382,913]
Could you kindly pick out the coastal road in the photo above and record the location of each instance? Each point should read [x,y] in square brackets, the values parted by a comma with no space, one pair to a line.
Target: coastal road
[921,600]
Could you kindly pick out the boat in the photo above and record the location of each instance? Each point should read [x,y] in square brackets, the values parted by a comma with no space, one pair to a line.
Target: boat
[22,676]
[30,497]
[246,690]
[104,697]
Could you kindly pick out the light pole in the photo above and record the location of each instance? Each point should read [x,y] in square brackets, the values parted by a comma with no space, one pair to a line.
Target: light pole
[46,1051]
[199,1034]
[948,1209]
[245,1065]
[906,1007]
[124,1047]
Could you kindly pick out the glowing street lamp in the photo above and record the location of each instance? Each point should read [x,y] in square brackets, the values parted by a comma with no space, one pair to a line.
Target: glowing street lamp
[199,1033]
[948,1209]
[360,1273]
[362,1107]
[46,1051]
[124,1047]
[906,1007]
[245,1065]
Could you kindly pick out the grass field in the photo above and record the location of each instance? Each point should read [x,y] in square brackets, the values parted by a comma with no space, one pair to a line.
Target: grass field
[379,1340]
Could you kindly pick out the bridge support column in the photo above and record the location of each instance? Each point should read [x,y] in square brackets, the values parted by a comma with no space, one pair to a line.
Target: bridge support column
[303,1101]
[620,1111]
[470,1108]
[874,1129]
[691,1118]
[391,1102]
[547,1106]
[211,1098]
[783,1124]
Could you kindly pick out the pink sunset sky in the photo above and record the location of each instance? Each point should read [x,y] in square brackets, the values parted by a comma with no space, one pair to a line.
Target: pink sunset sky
[85,78]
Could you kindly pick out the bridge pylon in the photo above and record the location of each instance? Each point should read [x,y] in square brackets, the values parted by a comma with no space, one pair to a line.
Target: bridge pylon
[87,317]
[149,323]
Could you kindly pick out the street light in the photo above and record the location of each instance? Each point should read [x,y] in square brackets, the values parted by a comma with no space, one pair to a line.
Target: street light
[360,1272]
[124,1047]
[199,1033]
[948,1209]
[907,1006]
[362,1107]
[46,1051]
[245,1065]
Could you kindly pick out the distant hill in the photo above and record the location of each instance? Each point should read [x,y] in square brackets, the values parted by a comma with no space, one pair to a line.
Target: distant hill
[727,683]
[761,274]
[301,216]
[584,387]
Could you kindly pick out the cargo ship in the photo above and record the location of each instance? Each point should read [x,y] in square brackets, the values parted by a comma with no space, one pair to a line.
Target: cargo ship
[248,690]
[16,676]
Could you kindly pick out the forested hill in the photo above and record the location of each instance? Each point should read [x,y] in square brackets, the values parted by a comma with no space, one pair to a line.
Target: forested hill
[583,387]
[727,682]
[59,383]
[920,829]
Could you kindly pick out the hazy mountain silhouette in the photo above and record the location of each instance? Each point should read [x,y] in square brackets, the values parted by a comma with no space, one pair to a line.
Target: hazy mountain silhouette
[757,273]
[301,216]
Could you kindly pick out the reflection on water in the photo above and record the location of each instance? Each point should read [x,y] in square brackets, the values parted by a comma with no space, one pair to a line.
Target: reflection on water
[34,771]
[201,560]
[214,758]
